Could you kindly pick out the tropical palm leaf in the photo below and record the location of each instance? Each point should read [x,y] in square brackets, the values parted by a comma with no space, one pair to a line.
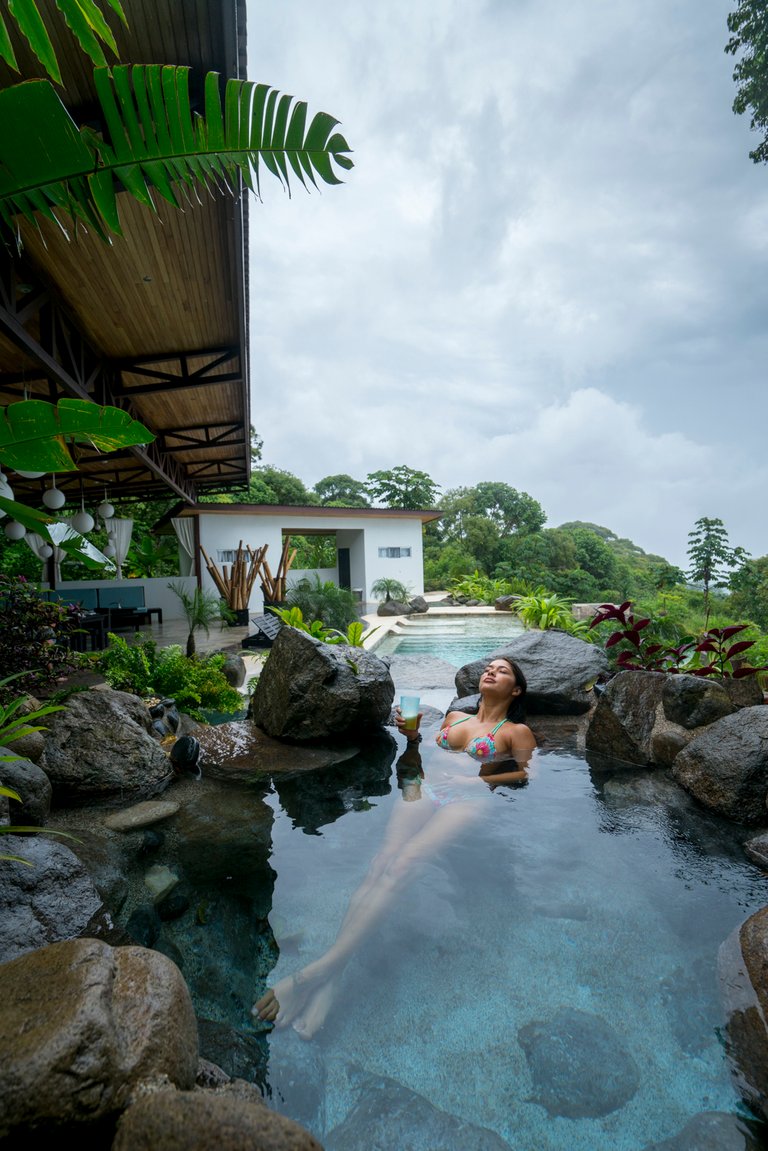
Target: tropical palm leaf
[154,143]
[84,18]
[34,434]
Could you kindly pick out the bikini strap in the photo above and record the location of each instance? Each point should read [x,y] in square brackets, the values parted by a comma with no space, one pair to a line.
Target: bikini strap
[456,722]
[498,725]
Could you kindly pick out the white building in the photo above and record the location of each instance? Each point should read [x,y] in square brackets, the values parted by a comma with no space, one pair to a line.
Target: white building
[371,543]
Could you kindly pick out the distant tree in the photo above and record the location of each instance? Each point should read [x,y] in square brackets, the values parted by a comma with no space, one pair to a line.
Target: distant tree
[749,591]
[511,510]
[712,557]
[665,576]
[256,446]
[594,556]
[271,485]
[342,492]
[748,26]
[402,487]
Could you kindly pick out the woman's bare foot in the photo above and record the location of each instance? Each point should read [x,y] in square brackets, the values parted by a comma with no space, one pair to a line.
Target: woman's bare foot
[282,1003]
[316,1009]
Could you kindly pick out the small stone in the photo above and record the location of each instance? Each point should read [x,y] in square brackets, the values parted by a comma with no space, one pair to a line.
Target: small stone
[160,880]
[141,815]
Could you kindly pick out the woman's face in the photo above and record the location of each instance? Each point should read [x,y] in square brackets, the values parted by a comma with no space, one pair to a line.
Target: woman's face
[499,677]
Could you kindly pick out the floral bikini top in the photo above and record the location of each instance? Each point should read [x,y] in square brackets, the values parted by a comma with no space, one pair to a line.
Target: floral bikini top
[481,747]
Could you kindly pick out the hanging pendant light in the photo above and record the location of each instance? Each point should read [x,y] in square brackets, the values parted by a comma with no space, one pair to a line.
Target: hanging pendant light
[45,552]
[14,530]
[53,498]
[105,509]
[109,550]
[83,521]
[29,475]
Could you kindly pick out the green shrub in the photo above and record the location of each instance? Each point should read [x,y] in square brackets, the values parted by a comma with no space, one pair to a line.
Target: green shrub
[334,606]
[34,636]
[197,685]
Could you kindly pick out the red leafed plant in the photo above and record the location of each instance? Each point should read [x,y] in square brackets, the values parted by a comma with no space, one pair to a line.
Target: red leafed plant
[642,653]
[717,644]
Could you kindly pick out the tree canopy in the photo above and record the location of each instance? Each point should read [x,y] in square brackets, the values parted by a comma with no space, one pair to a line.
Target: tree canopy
[748,26]
[402,487]
[342,491]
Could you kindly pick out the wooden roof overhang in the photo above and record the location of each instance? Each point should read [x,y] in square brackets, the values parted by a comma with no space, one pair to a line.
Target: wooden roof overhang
[156,322]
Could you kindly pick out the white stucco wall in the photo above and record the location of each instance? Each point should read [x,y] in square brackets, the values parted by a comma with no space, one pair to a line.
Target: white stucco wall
[362,535]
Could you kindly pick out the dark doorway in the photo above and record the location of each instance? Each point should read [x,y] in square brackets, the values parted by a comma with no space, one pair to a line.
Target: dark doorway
[344,577]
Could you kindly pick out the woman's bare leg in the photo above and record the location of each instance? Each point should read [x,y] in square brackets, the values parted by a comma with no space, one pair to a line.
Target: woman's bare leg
[306,998]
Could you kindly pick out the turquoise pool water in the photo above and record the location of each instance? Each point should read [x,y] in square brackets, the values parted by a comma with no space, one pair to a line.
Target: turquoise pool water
[456,639]
[605,893]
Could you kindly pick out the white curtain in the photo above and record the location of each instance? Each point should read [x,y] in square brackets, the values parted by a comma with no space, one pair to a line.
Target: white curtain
[121,531]
[37,543]
[184,526]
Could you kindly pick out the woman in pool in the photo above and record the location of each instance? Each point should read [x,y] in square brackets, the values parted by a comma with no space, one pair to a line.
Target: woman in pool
[439,807]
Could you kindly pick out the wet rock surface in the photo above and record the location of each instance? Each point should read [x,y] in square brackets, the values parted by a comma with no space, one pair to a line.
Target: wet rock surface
[560,670]
[31,784]
[725,766]
[389,1115]
[622,724]
[579,1065]
[100,747]
[83,1025]
[742,967]
[310,691]
[713,1131]
[51,900]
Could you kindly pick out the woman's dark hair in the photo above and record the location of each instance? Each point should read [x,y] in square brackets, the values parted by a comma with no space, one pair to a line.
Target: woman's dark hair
[516,709]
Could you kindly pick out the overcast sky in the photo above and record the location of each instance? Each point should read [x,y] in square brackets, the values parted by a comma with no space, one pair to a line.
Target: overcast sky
[548,267]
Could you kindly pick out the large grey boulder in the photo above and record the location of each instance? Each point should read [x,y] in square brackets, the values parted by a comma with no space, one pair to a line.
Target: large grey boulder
[49,898]
[310,690]
[579,1065]
[560,670]
[100,746]
[394,607]
[742,964]
[32,786]
[83,1026]
[725,766]
[30,746]
[692,701]
[623,722]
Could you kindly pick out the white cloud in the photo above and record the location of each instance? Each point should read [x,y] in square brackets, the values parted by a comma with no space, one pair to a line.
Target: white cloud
[548,265]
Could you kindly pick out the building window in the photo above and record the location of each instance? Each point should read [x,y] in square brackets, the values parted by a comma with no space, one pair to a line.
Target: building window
[394,553]
[226,557]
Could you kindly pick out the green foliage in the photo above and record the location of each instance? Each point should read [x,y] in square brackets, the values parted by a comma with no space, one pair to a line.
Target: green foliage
[277,486]
[294,617]
[85,20]
[749,28]
[15,720]
[342,491]
[634,645]
[33,636]
[749,591]
[482,587]
[150,556]
[325,601]
[402,487]
[712,558]
[544,609]
[201,609]
[35,435]
[197,685]
[153,141]
[388,589]
[314,552]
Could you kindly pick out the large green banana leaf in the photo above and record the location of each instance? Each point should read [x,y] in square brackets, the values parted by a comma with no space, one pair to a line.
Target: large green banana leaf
[56,532]
[85,21]
[154,143]
[34,435]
